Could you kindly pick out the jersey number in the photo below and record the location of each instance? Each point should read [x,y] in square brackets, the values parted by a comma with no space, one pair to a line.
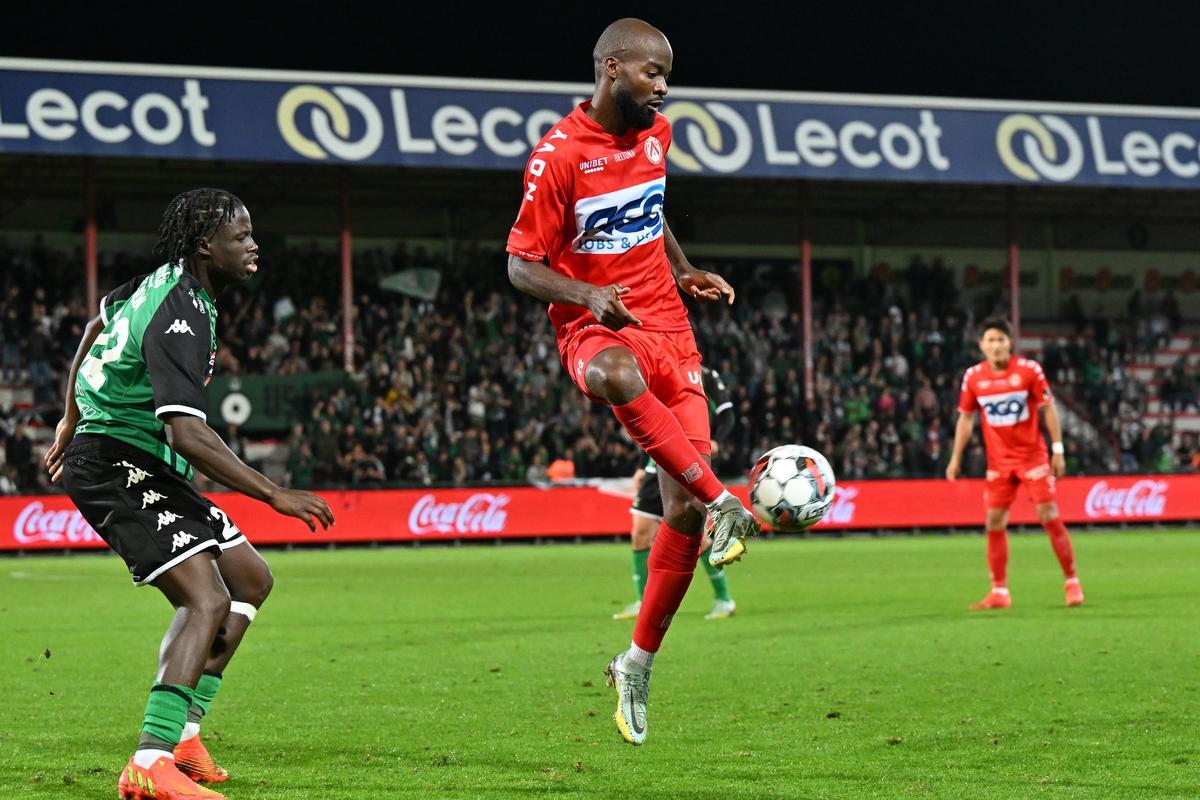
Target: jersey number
[92,369]
[228,529]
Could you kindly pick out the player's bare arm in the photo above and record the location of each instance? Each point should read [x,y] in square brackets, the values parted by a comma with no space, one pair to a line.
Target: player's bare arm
[65,431]
[203,448]
[697,283]
[538,280]
[962,435]
[1058,460]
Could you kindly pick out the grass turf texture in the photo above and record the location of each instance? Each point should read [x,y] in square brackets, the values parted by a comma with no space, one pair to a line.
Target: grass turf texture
[853,669]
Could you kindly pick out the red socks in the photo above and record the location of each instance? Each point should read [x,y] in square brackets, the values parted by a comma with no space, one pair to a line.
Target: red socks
[657,432]
[671,565]
[1061,542]
[997,555]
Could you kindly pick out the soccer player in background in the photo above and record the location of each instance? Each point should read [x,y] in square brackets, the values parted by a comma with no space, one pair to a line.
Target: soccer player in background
[592,240]
[647,509]
[1010,391]
[144,364]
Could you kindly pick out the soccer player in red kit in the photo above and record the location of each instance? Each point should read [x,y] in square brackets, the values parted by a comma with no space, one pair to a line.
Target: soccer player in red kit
[1010,391]
[591,239]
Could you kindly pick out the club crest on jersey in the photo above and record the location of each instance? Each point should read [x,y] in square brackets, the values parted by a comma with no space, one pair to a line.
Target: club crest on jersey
[654,150]
[1004,410]
[617,222]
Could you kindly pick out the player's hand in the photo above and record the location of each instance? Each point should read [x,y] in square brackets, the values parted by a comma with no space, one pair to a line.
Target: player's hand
[303,506]
[606,306]
[1058,463]
[63,434]
[706,286]
[953,470]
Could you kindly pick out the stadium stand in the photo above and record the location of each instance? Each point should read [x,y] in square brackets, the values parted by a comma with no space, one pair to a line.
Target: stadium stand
[467,388]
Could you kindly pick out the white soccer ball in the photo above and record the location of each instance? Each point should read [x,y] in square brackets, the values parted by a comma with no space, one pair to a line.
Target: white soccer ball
[791,487]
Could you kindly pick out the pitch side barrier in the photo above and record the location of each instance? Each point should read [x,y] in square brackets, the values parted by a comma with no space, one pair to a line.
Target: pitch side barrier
[50,522]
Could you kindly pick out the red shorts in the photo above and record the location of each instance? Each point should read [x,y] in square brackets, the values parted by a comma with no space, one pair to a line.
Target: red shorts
[670,365]
[1002,484]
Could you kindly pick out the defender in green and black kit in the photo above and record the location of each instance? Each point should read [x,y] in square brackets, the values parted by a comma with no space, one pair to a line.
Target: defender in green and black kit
[143,365]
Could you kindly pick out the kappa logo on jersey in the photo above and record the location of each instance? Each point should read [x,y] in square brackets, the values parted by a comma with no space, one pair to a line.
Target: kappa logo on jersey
[180,326]
[166,518]
[1003,410]
[617,222]
[180,539]
[136,474]
[151,497]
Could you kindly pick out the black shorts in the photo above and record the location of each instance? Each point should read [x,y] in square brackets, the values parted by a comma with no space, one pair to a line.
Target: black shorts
[648,502]
[143,509]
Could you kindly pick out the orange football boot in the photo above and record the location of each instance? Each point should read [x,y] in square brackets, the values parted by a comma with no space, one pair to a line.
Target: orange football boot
[995,599]
[1074,593]
[162,781]
[193,760]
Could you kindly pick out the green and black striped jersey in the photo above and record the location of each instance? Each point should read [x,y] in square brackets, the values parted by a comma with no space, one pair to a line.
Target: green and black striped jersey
[153,359]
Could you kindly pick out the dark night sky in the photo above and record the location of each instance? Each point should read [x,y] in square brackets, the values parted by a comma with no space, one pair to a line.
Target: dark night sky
[1140,53]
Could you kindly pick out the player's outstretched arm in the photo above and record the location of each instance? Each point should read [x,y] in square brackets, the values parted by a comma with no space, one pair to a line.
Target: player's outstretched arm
[545,284]
[65,431]
[697,283]
[962,435]
[203,448]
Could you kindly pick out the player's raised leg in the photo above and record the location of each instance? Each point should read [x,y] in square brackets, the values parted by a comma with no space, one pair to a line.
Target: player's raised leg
[613,374]
[249,581]
[1060,540]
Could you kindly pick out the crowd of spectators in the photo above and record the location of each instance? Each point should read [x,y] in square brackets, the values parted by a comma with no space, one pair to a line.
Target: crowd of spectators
[467,386]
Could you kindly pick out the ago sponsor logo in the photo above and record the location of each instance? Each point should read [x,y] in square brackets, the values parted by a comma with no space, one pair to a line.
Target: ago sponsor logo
[1054,148]
[37,524]
[716,137]
[111,117]
[345,123]
[482,512]
[1144,498]
[619,221]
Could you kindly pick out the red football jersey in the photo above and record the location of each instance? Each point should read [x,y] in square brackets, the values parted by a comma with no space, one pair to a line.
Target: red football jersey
[1008,403]
[593,208]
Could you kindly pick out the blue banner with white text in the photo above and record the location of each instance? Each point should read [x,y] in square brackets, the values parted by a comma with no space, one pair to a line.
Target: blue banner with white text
[176,112]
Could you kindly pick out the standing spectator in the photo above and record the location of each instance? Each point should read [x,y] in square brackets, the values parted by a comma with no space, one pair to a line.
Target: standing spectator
[18,451]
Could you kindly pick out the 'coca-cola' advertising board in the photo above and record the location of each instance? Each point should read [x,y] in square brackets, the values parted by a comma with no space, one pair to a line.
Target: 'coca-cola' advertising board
[51,521]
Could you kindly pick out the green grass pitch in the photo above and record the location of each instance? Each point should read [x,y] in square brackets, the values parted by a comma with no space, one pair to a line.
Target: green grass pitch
[853,670]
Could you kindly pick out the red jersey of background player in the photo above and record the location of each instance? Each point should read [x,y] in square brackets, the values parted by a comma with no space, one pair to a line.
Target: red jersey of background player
[1008,403]
[593,209]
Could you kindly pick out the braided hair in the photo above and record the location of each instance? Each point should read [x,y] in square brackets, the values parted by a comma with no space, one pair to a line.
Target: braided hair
[193,215]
